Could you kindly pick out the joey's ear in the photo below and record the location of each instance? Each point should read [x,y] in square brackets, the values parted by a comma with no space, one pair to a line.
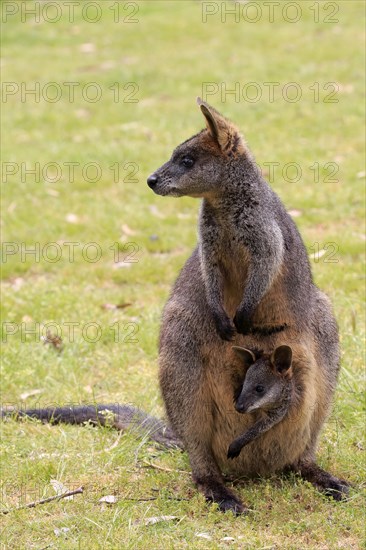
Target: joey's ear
[281,359]
[245,355]
[224,132]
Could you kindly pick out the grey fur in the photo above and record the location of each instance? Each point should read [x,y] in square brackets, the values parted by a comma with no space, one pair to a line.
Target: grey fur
[250,265]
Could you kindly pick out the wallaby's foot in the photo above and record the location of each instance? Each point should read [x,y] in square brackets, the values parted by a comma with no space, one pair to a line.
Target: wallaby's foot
[224,327]
[242,322]
[215,491]
[324,481]
[234,449]
[232,505]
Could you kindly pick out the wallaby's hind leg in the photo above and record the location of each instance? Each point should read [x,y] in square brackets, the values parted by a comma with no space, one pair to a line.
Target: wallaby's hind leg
[205,471]
[322,480]
[188,403]
[209,481]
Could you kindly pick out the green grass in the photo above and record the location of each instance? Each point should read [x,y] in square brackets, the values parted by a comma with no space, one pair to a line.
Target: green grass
[169,53]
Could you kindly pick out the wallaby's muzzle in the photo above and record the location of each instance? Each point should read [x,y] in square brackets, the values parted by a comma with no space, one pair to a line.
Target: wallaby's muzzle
[152,181]
[241,406]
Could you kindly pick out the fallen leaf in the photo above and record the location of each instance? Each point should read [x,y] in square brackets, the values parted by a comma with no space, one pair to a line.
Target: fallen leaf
[116,306]
[346,88]
[204,536]
[62,531]
[108,306]
[53,339]
[72,218]
[82,113]
[88,47]
[27,319]
[157,519]
[119,265]
[295,213]
[60,489]
[128,231]
[30,393]
[109,499]
[106,65]
[155,212]
[17,283]
[182,216]
[318,254]
[228,539]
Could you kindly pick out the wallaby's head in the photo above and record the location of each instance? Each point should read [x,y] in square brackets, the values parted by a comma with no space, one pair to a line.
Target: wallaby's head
[199,166]
[267,380]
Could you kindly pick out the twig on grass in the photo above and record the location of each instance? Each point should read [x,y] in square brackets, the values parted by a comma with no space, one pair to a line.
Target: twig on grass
[44,500]
[153,498]
[157,467]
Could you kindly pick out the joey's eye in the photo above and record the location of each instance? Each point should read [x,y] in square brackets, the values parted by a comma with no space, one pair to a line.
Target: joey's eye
[259,389]
[187,162]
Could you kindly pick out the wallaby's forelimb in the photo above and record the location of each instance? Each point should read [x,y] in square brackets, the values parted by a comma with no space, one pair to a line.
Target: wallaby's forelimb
[263,425]
[212,275]
[261,273]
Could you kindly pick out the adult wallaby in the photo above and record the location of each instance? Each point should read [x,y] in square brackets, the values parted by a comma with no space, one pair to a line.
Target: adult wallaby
[251,266]
[266,393]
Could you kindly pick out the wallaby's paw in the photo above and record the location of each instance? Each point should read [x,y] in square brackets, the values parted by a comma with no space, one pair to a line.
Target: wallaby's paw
[234,450]
[232,505]
[338,489]
[215,491]
[242,322]
[225,328]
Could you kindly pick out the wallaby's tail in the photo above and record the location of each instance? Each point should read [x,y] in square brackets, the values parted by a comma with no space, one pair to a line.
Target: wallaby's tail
[118,416]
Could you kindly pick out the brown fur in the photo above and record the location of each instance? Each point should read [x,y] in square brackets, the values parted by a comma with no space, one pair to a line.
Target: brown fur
[251,266]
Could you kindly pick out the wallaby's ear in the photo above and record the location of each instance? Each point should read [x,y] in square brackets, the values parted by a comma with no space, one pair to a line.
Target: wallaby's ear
[245,355]
[281,359]
[224,132]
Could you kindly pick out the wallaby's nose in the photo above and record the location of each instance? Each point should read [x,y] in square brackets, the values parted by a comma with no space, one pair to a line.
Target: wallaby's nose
[240,408]
[152,181]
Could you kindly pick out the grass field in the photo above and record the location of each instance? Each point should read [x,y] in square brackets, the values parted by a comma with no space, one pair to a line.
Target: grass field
[100,238]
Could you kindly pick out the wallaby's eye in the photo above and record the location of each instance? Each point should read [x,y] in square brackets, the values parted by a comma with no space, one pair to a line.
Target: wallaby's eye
[259,389]
[187,162]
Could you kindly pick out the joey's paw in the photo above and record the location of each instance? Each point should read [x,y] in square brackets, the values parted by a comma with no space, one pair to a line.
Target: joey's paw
[224,327]
[234,450]
[242,322]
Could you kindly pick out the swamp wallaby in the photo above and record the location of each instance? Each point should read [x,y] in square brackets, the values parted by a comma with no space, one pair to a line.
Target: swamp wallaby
[251,266]
[265,393]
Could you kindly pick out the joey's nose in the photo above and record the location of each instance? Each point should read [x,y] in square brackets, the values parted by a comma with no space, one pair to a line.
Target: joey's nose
[152,181]
[240,408]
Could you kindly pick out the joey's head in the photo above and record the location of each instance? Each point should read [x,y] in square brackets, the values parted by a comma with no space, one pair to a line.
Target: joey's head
[267,380]
[198,166]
